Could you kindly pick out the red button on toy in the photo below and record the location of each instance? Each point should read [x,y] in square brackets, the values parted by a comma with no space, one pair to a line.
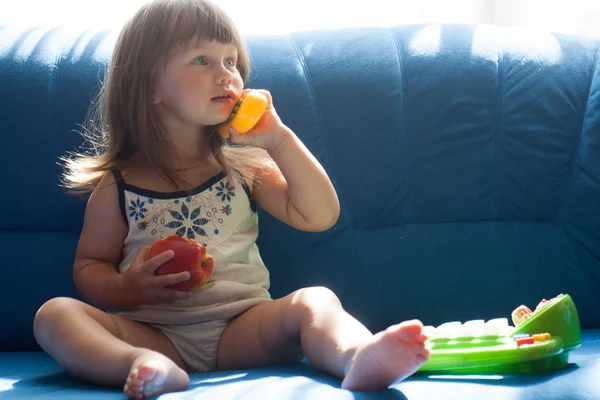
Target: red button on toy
[521,342]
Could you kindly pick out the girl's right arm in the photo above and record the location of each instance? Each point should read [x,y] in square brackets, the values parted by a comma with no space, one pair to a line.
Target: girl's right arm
[98,254]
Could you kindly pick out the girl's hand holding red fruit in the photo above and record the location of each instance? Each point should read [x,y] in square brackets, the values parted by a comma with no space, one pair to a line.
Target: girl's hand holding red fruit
[147,288]
[190,257]
[171,269]
[140,282]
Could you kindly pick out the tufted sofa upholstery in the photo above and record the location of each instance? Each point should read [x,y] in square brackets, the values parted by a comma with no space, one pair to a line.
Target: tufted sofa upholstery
[466,159]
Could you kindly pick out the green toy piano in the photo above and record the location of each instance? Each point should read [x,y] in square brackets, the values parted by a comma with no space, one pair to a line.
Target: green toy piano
[540,343]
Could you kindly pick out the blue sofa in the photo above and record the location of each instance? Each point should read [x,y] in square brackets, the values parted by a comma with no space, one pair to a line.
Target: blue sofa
[466,159]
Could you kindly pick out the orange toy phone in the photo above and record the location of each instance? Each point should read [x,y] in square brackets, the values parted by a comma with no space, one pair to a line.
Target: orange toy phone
[246,113]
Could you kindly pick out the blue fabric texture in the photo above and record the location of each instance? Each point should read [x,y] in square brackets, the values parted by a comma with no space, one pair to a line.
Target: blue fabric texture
[466,159]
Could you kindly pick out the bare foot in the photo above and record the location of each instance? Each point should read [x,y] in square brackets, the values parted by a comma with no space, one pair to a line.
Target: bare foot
[152,374]
[391,356]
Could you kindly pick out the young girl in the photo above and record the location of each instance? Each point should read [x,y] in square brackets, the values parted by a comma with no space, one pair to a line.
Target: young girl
[161,169]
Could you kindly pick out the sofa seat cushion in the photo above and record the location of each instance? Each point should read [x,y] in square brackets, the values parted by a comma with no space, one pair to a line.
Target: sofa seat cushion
[34,375]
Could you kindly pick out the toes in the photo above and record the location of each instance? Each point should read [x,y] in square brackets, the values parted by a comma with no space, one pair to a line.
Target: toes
[134,386]
[408,330]
[421,351]
[417,348]
[423,356]
[422,338]
[147,371]
[134,381]
[153,374]
[132,393]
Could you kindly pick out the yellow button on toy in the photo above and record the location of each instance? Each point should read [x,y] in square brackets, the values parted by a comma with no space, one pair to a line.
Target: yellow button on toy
[540,337]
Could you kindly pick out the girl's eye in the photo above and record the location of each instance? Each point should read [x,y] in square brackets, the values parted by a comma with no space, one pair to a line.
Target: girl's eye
[201,60]
[229,62]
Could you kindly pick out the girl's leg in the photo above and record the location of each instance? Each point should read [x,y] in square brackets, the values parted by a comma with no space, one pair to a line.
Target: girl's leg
[312,320]
[109,350]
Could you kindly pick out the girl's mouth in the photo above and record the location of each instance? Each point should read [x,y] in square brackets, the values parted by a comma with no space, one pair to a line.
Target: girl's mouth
[224,97]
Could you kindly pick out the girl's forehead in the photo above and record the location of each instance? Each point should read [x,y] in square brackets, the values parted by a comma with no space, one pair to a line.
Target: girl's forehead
[204,43]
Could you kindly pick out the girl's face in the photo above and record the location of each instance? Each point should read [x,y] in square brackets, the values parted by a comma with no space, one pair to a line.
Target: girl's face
[199,84]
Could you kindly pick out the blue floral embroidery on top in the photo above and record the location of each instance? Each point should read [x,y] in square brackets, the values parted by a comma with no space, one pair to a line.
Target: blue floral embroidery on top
[143,225]
[185,215]
[226,209]
[137,209]
[225,191]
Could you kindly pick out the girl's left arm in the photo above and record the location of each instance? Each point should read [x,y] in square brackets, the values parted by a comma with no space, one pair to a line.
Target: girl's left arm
[297,191]
[300,193]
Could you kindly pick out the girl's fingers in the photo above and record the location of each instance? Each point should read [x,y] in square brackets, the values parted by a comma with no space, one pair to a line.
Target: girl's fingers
[171,279]
[140,257]
[157,261]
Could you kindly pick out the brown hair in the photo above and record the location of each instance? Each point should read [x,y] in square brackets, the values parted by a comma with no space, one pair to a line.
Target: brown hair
[121,122]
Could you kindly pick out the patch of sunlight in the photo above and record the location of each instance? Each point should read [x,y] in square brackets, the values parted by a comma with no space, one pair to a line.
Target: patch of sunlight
[468,377]
[29,44]
[426,43]
[536,46]
[7,384]
[225,378]
[105,49]
[102,51]
[485,42]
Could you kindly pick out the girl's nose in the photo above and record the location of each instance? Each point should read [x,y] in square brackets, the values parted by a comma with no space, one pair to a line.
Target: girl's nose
[225,76]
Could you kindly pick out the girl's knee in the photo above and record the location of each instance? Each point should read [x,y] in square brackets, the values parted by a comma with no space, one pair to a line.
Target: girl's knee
[316,298]
[51,310]
[57,304]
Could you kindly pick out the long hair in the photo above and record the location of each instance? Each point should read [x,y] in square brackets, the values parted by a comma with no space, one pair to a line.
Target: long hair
[121,121]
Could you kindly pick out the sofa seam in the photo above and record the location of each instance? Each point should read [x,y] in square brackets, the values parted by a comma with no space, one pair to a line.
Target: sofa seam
[406,114]
[577,138]
[498,129]
[51,137]
[422,223]
[456,222]
[328,155]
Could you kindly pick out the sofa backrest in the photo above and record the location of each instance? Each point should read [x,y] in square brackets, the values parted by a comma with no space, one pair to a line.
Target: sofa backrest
[466,159]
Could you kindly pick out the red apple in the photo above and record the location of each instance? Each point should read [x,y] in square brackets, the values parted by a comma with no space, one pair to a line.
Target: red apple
[189,256]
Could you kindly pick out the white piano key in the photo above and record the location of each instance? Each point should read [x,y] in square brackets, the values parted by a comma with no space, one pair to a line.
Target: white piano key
[471,328]
[495,327]
[447,330]
[429,330]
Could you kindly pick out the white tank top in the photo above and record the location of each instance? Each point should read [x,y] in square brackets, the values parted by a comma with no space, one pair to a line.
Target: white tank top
[221,215]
